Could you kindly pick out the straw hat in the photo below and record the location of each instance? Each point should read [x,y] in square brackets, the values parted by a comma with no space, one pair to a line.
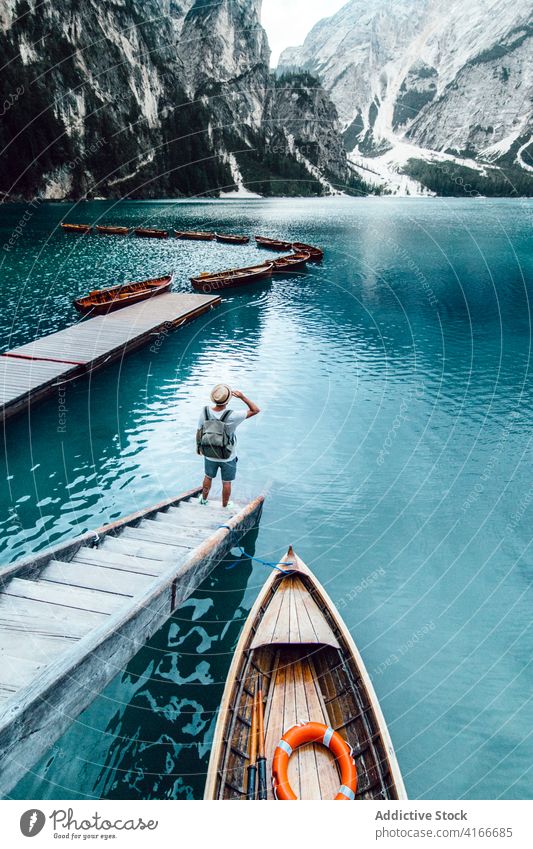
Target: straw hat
[221,394]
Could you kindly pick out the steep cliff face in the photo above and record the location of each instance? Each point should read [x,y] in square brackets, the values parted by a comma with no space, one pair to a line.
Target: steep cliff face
[103,107]
[140,98]
[299,108]
[441,76]
[224,43]
[226,57]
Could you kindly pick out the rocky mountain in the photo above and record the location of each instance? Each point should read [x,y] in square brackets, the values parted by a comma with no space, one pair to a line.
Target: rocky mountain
[156,98]
[440,83]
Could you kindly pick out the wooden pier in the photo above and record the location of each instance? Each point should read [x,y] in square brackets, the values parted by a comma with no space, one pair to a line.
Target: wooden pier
[73,616]
[33,371]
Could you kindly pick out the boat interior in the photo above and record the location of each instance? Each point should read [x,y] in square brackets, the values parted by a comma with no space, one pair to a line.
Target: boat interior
[103,296]
[308,675]
[235,272]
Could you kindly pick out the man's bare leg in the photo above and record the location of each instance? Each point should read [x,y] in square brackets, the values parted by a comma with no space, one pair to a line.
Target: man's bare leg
[226,492]
[206,488]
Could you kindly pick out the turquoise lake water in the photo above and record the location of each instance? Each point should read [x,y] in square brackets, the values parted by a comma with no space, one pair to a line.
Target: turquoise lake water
[397,396]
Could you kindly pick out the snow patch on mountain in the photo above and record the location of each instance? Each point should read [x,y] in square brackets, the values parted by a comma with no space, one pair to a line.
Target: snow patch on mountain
[386,171]
[519,153]
[499,148]
[240,191]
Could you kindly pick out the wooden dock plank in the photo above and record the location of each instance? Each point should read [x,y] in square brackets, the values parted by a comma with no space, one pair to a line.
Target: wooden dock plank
[13,367]
[173,529]
[32,647]
[97,336]
[209,512]
[149,550]
[28,616]
[158,538]
[120,562]
[186,534]
[96,577]
[173,524]
[71,597]
[89,345]
[199,518]
[17,672]
[200,524]
[18,377]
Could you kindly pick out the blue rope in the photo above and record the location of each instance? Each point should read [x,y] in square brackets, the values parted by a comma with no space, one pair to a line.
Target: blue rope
[269,563]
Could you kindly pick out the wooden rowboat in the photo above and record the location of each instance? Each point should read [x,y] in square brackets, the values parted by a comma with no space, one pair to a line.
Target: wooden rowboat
[315,254]
[102,301]
[273,244]
[232,240]
[234,277]
[296,642]
[196,235]
[292,262]
[151,233]
[76,228]
[109,230]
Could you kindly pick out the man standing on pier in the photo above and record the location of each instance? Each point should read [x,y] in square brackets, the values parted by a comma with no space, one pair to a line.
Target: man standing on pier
[217,442]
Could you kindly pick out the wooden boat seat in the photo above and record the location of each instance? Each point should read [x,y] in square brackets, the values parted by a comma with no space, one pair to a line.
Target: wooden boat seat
[293,617]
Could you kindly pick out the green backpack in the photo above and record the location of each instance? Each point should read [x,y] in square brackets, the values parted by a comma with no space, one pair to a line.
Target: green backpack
[215,440]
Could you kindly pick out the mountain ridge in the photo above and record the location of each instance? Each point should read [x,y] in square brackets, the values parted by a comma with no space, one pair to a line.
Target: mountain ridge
[175,98]
[417,73]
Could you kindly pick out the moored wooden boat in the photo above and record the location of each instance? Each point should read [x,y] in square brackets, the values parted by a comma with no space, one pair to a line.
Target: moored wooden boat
[195,235]
[151,233]
[273,244]
[110,230]
[230,239]
[315,254]
[295,641]
[76,228]
[292,262]
[102,301]
[233,277]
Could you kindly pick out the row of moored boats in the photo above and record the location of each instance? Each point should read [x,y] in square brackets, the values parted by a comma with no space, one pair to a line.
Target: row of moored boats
[154,233]
[102,301]
[296,261]
[193,235]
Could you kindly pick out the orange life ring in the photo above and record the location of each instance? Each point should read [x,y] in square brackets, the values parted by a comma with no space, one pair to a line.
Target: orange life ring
[313,732]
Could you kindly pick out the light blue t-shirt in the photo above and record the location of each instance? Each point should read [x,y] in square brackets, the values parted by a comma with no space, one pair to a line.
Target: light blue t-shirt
[232,421]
